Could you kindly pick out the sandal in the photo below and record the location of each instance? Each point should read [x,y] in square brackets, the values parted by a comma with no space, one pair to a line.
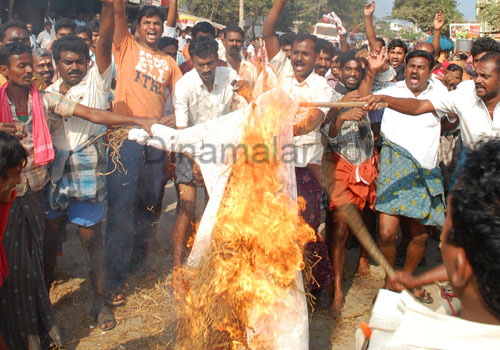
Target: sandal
[105,319]
[447,291]
[422,295]
[115,299]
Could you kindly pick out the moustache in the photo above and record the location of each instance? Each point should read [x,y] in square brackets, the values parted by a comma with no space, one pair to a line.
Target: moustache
[79,72]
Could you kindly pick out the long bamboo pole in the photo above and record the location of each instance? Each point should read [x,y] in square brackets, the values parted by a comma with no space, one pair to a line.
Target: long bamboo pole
[353,104]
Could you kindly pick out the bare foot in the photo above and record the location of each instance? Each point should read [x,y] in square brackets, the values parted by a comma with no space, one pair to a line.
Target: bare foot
[363,268]
[337,303]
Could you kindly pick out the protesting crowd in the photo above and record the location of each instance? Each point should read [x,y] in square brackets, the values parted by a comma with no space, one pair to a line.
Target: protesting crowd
[405,133]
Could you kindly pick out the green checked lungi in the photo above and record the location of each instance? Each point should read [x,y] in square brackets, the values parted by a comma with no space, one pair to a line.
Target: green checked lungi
[405,188]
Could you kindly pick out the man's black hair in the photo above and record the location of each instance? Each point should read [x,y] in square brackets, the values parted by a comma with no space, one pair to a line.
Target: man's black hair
[47,23]
[15,48]
[485,44]
[287,39]
[12,153]
[150,11]
[397,43]
[363,47]
[14,23]
[380,40]
[203,27]
[475,214]
[350,55]
[203,47]
[167,41]
[234,29]
[455,68]
[421,53]
[326,47]
[492,56]
[303,36]
[70,43]
[84,29]
[94,26]
[65,23]
[133,27]
[39,52]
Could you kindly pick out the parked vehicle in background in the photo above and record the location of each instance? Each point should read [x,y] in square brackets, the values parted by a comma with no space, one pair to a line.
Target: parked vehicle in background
[326,31]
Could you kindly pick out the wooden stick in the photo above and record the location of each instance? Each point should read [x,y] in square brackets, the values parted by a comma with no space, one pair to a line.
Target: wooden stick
[339,104]
[263,65]
[358,228]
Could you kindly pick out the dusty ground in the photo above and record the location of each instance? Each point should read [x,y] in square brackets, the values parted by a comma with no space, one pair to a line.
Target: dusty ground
[147,321]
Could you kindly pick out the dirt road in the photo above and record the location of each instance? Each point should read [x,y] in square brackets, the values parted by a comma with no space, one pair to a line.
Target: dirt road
[147,321]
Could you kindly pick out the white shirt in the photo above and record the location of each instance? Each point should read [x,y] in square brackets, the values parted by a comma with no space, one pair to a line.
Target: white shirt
[314,88]
[169,31]
[92,91]
[250,51]
[221,52]
[44,38]
[246,72]
[419,134]
[475,121]
[194,104]
[399,322]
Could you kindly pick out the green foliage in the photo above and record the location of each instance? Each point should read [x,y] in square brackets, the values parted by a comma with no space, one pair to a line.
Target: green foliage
[491,14]
[301,13]
[421,12]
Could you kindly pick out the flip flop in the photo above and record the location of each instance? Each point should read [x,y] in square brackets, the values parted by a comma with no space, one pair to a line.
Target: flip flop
[422,295]
[105,319]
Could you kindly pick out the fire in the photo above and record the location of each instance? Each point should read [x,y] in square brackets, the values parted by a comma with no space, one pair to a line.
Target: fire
[256,252]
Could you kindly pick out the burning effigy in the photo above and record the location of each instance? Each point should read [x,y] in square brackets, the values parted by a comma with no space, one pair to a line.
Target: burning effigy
[244,287]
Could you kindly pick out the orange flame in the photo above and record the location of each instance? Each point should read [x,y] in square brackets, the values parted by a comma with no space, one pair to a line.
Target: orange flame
[257,243]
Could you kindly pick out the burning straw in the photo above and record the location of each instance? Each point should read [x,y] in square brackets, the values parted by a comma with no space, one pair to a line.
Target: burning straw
[256,249]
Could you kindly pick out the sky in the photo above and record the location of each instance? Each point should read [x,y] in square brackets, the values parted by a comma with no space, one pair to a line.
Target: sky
[466,7]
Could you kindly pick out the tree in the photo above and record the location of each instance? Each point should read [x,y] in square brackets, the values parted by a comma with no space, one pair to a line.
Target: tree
[421,12]
[490,13]
[297,13]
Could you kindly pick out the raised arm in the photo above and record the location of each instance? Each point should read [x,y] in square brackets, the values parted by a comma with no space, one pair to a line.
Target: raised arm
[369,28]
[47,12]
[272,42]
[436,40]
[105,43]
[410,106]
[120,18]
[375,63]
[172,13]
[343,43]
